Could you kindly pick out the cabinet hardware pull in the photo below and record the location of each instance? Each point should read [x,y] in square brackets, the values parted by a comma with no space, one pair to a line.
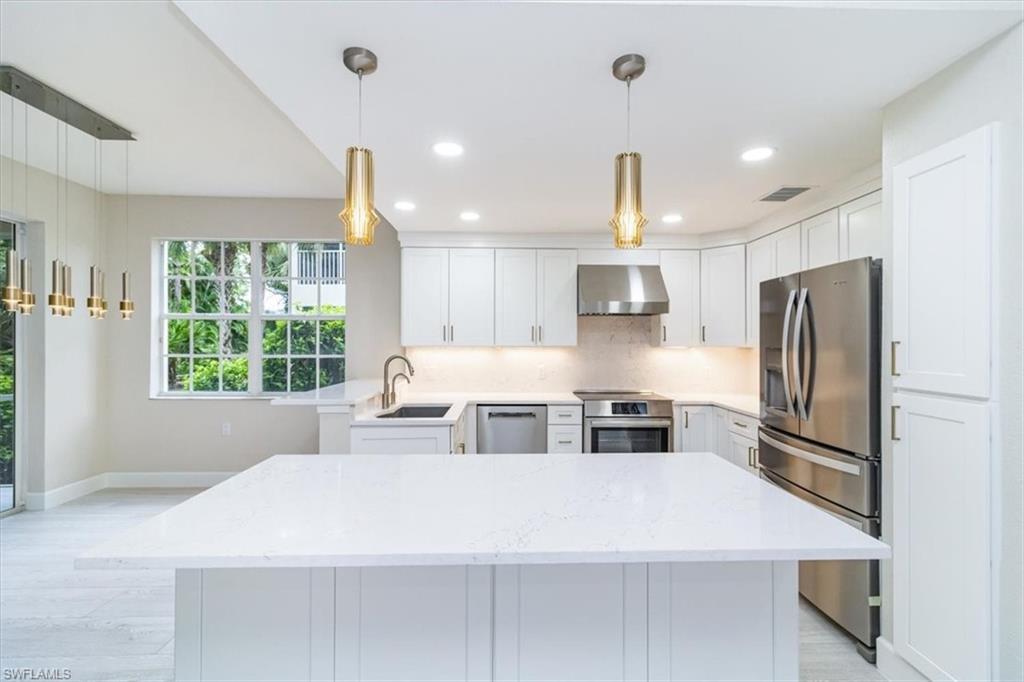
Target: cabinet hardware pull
[757,452]
[703,333]
[750,455]
[540,333]
[565,414]
[532,332]
[892,423]
[451,333]
[742,426]
[444,332]
[686,419]
[461,449]
[664,334]
[892,359]
[565,442]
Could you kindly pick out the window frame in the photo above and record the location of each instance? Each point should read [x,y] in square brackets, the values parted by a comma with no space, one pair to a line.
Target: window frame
[255,318]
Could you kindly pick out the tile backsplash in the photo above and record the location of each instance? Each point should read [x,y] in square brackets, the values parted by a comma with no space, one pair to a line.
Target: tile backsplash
[612,352]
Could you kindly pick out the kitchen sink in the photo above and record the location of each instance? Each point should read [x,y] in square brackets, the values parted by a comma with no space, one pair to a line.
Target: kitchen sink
[417,412]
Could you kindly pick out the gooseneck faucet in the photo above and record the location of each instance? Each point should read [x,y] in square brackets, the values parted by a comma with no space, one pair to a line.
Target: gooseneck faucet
[388,394]
[400,375]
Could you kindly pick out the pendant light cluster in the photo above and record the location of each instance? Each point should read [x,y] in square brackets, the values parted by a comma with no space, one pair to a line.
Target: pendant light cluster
[628,219]
[359,215]
[16,295]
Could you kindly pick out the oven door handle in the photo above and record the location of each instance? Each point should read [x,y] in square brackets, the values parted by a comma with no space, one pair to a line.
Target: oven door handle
[601,422]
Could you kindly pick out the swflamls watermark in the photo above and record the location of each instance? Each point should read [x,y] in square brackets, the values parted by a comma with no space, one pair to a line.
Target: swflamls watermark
[37,673]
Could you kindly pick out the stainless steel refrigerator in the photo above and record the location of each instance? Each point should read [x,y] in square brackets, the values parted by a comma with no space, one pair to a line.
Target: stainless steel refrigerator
[819,437]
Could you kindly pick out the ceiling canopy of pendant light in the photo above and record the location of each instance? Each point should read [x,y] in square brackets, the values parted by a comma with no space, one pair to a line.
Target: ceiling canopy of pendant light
[628,218]
[359,215]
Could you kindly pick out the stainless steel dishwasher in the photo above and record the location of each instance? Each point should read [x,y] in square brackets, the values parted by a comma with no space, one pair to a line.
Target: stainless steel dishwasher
[511,429]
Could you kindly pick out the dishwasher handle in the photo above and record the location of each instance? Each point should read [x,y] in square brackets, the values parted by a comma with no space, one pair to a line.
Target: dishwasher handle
[512,415]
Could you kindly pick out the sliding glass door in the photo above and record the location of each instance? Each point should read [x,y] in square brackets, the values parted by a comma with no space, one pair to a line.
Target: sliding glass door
[8,322]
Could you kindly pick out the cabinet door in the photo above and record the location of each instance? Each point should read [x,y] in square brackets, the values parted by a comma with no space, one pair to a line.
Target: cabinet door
[759,268]
[741,452]
[941,273]
[820,236]
[723,296]
[401,440]
[941,528]
[696,428]
[424,297]
[565,439]
[515,297]
[681,325]
[556,297]
[471,297]
[787,251]
[860,227]
[723,446]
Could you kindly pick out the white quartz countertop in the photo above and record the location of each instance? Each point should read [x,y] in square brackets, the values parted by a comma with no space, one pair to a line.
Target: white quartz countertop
[747,404]
[424,510]
[345,393]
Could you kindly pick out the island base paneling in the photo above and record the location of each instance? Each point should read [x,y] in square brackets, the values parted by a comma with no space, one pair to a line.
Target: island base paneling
[634,621]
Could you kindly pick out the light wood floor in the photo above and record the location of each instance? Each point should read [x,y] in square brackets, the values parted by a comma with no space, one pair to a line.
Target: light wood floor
[119,625]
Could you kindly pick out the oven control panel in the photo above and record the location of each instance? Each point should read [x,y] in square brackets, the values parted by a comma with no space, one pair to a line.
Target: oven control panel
[630,409]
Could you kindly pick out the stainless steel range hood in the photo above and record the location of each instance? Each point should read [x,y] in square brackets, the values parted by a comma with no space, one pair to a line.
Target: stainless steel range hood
[621,290]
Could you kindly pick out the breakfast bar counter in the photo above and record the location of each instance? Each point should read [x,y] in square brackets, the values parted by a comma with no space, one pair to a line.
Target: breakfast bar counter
[505,567]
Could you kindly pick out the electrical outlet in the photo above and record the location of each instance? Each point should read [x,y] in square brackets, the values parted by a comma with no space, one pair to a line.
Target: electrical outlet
[225,429]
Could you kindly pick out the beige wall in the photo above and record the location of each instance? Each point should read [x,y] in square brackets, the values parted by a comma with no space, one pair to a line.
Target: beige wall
[373,288]
[612,352]
[175,434]
[983,87]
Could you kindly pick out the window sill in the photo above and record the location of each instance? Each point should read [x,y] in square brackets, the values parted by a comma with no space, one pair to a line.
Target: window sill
[174,396]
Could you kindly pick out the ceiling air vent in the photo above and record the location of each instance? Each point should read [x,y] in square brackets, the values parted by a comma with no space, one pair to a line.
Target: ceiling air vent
[784,193]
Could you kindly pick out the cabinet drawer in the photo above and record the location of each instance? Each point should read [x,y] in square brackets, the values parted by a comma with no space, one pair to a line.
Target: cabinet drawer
[565,439]
[742,425]
[565,414]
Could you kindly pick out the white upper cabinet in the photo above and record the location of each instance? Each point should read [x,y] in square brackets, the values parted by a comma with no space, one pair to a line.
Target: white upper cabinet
[942,205]
[515,297]
[723,295]
[556,297]
[681,325]
[471,297]
[820,236]
[860,227]
[770,256]
[424,297]
[447,297]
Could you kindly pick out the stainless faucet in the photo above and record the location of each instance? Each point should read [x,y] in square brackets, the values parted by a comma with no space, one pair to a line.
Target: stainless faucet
[400,375]
[388,397]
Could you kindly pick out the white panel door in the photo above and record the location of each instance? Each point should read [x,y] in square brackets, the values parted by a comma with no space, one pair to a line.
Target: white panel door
[860,227]
[941,267]
[556,297]
[760,266]
[471,297]
[723,446]
[696,428]
[941,553]
[681,325]
[723,295]
[401,440]
[515,297]
[741,452]
[424,297]
[820,236]
[787,251]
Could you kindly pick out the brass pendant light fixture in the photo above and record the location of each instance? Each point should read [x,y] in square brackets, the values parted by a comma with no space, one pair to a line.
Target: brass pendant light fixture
[11,296]
[628,218]
[359,215]
[56,298]
[93,302]
[126,305]
[28,299]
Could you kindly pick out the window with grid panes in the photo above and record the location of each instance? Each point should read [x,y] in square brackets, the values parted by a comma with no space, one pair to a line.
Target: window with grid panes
[251,317]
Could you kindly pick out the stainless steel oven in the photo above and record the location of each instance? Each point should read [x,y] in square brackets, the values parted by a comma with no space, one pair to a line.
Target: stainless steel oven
[626,421]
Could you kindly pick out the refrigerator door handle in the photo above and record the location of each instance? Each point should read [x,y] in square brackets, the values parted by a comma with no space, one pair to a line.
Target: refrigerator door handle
[798,333]
[786,386]
[811,457]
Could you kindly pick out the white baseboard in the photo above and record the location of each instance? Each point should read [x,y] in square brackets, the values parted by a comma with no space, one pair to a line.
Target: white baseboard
[124,479]
[65,493]
[893,667]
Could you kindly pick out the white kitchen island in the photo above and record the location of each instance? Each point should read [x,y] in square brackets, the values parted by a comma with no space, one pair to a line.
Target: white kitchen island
[504,567]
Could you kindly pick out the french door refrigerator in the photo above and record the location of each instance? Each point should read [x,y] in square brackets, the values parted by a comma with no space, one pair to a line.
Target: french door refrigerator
[819,437]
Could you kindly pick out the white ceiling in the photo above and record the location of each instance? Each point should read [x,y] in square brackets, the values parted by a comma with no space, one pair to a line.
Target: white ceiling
[202,128]
[527,88]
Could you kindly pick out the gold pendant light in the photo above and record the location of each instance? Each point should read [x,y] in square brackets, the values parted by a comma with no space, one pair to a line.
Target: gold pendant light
[127,306]
[92,302]
[11,296]
[628,218]
[56,298]
[359,216]
[69,298]
[28,299]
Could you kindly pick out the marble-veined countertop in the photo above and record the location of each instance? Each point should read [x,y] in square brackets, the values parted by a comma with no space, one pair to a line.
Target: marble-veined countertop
[402,510]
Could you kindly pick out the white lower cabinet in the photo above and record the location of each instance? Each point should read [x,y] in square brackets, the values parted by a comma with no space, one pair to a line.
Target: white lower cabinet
[743,452]
[694,428]
[565,439]
[403,440]
[723,447]
[941,500]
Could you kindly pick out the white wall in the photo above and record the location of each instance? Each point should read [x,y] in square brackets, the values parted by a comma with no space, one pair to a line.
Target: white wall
[613,352]
[983,87]
[374,304]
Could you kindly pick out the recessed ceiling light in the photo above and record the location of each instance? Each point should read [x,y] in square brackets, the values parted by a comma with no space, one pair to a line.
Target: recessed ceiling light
[405,206]
[469,216]
[448,149]
[757,154]
[671,218]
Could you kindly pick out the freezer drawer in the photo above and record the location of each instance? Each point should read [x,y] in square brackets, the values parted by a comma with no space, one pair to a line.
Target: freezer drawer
[848,481]
[845,591]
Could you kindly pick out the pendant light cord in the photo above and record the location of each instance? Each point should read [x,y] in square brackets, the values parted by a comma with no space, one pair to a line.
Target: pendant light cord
[359,132]
[629,113]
